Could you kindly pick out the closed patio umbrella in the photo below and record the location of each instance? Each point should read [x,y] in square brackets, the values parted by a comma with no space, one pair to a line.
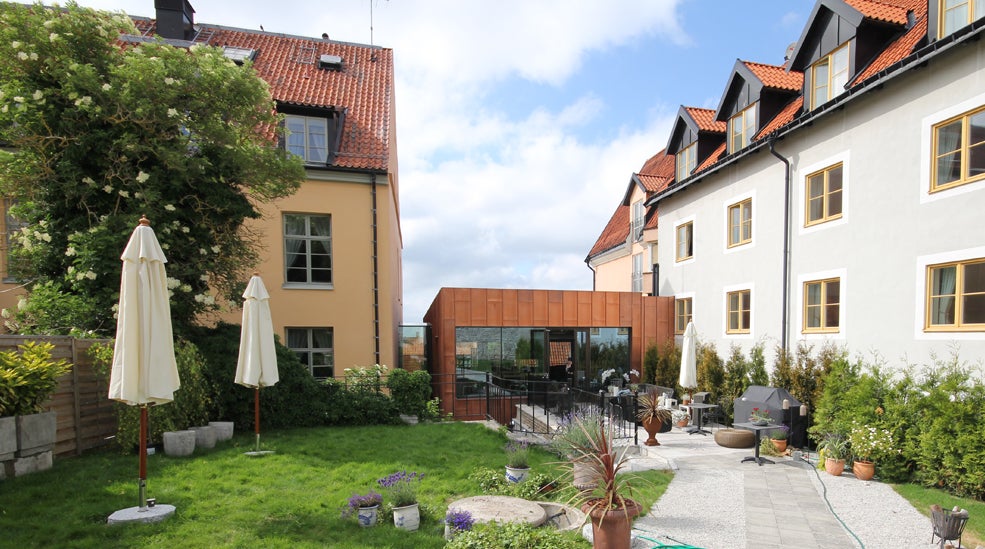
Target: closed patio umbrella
[689,368]
[144,370]
[257,363]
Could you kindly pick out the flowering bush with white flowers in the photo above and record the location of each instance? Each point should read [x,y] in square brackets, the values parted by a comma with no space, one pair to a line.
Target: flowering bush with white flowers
[869,443]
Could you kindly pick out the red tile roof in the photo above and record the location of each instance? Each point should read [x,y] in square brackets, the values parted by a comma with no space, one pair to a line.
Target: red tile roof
[890,11]
[289,64]
[776,77]
[782,118]
[712,158]
[615,232]
[657,172]
[705,119]
[896,51]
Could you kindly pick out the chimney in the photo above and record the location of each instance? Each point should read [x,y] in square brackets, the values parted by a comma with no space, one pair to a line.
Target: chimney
[175,19]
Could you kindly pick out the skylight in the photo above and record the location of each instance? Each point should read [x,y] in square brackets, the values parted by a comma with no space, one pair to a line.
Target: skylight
[239,55]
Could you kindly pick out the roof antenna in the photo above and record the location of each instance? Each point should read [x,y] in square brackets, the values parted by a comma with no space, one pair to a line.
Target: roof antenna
[370,22]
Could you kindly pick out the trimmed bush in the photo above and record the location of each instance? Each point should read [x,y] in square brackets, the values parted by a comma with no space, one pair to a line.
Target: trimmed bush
[28,378]
[410,391]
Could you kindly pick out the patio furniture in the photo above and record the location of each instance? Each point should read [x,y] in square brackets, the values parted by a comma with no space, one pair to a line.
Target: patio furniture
[759,460]
[948,525]
[735,438]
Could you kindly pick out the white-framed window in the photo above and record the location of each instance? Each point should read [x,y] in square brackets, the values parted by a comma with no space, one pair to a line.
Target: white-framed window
[822,306]
[740,223]
[638,272]
[683,307]
[307,137]
[307,249]
[829,75]
[684,241]
[639,214]
[956,14]
[741,129]
[738,311]
[687,160]
[315,348]
[958,150]
[955,296]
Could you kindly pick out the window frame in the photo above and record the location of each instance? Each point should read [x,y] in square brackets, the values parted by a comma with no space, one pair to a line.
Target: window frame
[825,196]
[744,310]
[310,350]
[308,146]
[308,239]
[636,284]
[744,225]
[942,10]
[689,227]
[746,130]
[963,151]
[687,161]
[683,313]
[825,326]
[636,222]
[828,61]
[958,297]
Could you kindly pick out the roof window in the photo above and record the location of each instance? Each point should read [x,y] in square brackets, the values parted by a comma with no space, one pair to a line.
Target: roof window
[330,62]
[239,55]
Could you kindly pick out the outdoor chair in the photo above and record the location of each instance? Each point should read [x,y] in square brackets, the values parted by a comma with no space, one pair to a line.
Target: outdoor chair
[948,525]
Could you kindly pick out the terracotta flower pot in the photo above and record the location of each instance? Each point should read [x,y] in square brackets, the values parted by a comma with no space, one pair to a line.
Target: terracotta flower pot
[652,427]
[612,528]
[780,445]
[834,466]
[864,470]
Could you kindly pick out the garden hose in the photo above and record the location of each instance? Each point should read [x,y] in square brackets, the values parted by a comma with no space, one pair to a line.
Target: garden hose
[824,496]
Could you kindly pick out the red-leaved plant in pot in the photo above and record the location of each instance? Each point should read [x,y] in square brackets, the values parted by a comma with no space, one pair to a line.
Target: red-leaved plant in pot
[607,506]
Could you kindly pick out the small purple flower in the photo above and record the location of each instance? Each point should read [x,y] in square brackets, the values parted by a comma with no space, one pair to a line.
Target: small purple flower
[459,520]
[402,487]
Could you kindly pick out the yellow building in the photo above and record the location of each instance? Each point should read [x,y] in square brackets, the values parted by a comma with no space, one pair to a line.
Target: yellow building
[331,256]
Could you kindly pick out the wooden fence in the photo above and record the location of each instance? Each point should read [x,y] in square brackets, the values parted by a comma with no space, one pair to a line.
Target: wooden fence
[85,413]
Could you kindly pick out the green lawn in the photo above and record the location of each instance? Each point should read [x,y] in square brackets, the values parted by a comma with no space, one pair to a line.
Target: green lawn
[922,498]
[291,498]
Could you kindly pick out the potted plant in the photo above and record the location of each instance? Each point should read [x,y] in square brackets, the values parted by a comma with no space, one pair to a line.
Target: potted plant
[868,443]
[760,417]
[517,461]
[834,449]
[27,380]
[574,432]
[608,504]
[652,416]
[680,418]
[779,438]
[402,489]
[456,522]
[364,506]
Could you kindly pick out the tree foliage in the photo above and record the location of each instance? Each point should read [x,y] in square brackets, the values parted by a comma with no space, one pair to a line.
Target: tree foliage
[101,130]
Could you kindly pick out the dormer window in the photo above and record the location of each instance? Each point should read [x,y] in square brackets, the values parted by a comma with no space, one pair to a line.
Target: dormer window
[687,160]
[741,129]
[829,76]
[956,14]
[636,230]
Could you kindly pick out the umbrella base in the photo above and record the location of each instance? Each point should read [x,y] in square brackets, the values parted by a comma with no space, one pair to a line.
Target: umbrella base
[156,513]
[258,453]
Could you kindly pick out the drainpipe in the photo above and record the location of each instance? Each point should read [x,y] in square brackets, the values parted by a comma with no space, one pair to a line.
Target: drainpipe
[786,243]
[588,262]
[376,276]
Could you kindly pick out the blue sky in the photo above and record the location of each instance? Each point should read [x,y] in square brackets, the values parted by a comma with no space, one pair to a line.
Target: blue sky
[520,122]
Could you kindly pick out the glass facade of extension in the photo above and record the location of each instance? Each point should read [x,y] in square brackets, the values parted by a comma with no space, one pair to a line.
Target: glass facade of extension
[515,355]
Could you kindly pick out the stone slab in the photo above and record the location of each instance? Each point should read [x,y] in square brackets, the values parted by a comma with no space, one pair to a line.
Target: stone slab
[35,433]
[21,466]
[156,513]
[485,509]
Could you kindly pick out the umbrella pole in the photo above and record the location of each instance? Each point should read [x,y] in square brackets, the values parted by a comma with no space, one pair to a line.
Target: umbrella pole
[142,481]
[256,413]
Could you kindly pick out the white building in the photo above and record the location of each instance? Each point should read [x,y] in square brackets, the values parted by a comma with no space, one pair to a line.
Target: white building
[840,197]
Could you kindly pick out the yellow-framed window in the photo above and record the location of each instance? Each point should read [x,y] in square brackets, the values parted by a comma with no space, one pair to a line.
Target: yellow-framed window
[685,241]
[829,75]
[956,296]
[823,195]
[739,311]
[822,306]
[740,223]
[682,314]
[741,128]
[959,150]
[955,14]
[687,160]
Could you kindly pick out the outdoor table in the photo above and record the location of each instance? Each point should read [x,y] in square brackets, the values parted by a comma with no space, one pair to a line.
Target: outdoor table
[756,429]
[700,407]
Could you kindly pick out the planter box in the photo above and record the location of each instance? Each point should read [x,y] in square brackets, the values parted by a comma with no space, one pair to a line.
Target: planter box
[204,437]
[179,443]
[35,434]
[26,465]
[223,429]
[8,438]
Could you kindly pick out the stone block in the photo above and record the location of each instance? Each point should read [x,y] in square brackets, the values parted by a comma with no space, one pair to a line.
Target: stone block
[35,434]
[31,464]
[8,437]
[204,436]
[223,429]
